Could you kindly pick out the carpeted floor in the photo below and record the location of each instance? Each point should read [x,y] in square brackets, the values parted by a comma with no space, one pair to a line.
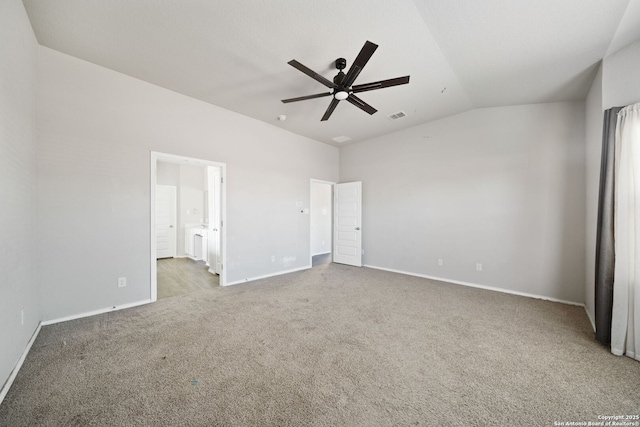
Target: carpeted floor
[322,259]
[329,346]
[178,276]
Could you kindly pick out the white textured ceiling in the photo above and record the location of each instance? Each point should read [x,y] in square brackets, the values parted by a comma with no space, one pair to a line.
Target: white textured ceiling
[461,54]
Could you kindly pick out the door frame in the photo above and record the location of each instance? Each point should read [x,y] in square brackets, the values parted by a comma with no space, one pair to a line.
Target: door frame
[331,183]
[158,156]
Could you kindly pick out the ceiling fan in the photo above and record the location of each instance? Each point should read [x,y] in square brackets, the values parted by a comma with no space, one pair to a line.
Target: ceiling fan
[342,86]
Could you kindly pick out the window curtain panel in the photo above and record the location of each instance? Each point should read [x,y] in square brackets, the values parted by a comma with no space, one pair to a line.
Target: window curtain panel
[605,256]
[625,320]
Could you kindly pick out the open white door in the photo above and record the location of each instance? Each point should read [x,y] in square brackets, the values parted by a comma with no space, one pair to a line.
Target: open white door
[215,205]
[165,221]
[347,237]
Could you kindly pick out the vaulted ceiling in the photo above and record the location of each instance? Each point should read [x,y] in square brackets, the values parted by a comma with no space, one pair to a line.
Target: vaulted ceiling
[461,54]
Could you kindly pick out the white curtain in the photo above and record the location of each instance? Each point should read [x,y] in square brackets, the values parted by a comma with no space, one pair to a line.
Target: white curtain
[625,322]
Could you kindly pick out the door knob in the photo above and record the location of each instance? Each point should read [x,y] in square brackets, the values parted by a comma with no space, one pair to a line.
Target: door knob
[171,226]
[357,228]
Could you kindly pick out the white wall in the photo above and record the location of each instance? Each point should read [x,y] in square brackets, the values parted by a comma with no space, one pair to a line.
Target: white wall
[499,186]
[593,154]
[321,194]
[168,174]
[191,199]
[620,81]
[97,128]
[18,185]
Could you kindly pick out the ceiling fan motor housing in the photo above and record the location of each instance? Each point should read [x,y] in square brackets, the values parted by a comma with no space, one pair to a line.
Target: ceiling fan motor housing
[341,63]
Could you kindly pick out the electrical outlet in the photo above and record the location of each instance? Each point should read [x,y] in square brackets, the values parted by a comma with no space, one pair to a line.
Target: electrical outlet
[273,258]
[478,267]
[122,282]
[440,262]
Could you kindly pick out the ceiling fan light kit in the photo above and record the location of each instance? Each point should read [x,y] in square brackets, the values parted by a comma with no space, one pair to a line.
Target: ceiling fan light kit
[342,87]
[341,95]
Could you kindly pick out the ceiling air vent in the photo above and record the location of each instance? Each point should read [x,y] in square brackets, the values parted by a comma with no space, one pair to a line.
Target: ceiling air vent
[341,139]
[396,116]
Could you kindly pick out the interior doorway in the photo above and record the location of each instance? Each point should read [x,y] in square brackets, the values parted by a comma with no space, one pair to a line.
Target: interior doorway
[198,224]
[321,217]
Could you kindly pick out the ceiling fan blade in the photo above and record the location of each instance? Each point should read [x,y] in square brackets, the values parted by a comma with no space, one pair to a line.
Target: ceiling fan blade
[309,72]
[359,63]
[380,85]
[304,98]
[361,104]
[332,106]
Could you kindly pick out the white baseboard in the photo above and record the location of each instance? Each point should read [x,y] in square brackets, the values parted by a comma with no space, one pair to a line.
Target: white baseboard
[321,253]
[14,373]
[279,273]
[475,285]
[16,369]
[593,323]
[94,312]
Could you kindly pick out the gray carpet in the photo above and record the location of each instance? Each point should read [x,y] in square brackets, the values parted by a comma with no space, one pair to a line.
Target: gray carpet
[178,276]
[322,259]
[330,346]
